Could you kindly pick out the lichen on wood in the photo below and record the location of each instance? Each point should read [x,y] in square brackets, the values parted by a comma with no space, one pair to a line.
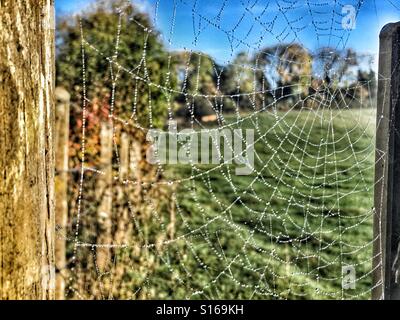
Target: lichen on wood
[26,149]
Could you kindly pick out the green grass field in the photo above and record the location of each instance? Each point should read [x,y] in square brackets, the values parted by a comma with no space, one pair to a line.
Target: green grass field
[287,230]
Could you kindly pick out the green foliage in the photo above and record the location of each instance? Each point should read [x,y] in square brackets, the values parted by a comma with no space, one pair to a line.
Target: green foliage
[197,80]
[137,68]
[242,77]
[335,64]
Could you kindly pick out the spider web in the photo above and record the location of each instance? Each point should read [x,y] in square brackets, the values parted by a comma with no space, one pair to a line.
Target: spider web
[288,229]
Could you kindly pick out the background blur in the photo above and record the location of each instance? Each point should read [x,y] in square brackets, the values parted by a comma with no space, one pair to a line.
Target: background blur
[294,71]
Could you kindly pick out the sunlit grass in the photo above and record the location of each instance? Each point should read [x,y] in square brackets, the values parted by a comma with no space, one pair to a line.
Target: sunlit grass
[287,230]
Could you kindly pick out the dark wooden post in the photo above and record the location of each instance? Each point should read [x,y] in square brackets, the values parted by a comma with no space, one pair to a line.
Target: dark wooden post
[387,169]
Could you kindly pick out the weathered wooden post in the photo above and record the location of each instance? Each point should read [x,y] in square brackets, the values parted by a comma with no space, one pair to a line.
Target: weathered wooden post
[124,224]
[386,265]
[61,186]
[105,191]
[26,149]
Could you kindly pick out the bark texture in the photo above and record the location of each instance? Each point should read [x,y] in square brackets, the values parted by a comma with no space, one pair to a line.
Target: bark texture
[26,152]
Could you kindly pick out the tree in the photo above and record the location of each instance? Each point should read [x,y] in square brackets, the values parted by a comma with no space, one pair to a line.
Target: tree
[295,64]
[335,64]
[127,65]
[197,82]
[26,144]
[292,66]
[243,77]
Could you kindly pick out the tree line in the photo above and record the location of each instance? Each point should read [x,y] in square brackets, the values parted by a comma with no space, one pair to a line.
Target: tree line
[192,83]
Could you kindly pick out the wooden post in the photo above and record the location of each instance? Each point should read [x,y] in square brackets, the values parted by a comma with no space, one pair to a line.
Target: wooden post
[26,149]
[105,191]
[61,186]
[124,224]
[124,156]
[386,266]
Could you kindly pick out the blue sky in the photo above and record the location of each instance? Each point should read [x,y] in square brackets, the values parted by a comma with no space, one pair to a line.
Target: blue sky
[222,28]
